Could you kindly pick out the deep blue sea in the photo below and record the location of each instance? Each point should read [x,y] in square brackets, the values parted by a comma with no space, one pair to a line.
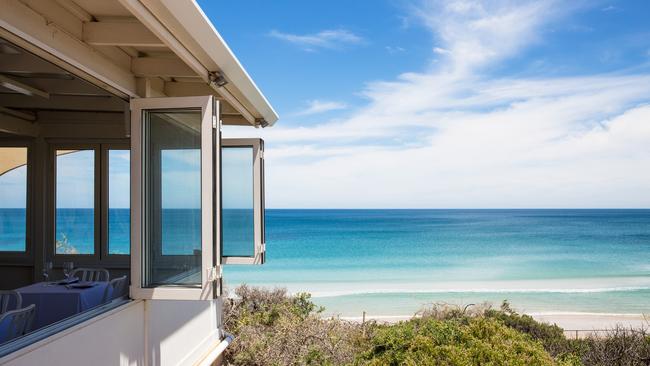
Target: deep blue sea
[393,262]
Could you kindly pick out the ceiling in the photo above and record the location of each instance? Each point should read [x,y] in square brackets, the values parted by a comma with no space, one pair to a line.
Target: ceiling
[30,85]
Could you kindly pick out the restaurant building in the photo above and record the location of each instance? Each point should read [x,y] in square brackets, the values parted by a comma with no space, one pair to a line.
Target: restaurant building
[120,202]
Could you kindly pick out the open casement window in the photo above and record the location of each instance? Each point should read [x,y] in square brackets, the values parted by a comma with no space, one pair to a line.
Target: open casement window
[242,201]
[174,170]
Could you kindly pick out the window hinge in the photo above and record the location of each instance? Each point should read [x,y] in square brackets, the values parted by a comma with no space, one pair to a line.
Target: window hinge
[261,154]
[214,122]
[215,276]
[214,273]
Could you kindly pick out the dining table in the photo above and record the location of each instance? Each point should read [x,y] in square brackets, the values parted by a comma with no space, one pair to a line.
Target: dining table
[56,301]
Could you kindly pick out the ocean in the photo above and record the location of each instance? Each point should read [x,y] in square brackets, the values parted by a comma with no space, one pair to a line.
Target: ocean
[394,262]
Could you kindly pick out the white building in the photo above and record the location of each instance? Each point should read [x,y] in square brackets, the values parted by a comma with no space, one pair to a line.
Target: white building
[111,158]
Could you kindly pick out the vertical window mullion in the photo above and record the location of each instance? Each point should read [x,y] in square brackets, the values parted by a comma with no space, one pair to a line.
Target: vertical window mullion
[103,202]
[98,200]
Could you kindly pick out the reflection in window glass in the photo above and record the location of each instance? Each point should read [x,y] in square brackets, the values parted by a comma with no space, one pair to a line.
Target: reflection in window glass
[119,217]
[75,202]
[172,247]
[13,199]
[181,201]
[237,205]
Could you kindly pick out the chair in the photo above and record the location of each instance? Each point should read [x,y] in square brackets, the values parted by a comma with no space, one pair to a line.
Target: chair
[16,323]
[118,287]
[91,274]
[10,300]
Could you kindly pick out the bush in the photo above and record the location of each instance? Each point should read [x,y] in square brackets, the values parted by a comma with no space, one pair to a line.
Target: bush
[619,346]
[272,327]
[462,341]
[551,336]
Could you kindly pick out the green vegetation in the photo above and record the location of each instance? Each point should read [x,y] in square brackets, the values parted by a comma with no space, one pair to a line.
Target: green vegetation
[274,328]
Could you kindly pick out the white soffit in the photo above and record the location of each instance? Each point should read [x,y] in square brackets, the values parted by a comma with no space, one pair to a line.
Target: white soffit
[190,26]
[137,48]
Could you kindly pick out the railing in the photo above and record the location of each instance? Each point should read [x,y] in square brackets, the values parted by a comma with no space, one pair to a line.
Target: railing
[583,333]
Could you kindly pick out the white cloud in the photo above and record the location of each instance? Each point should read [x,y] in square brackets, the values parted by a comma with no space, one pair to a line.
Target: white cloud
[320,106]
[610,8]
[331,39]
[395,49]
[455,137]
[441,51]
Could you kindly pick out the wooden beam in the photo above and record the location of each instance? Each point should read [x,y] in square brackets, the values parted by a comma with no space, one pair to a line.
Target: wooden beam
[83,130]
[26,116]
[119,34]
[75,10]
[17,126]
[22,88]
[150,87]
[79,117]
[160,67]
[232,120]
[24,62]
[69,87]
[176,89]
[63,102]
[23,26]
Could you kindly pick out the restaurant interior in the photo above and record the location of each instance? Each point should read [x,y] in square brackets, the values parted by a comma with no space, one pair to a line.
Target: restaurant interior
[64,195]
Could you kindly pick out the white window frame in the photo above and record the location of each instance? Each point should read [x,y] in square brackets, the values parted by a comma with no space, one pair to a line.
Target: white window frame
[210,140]
[258,202]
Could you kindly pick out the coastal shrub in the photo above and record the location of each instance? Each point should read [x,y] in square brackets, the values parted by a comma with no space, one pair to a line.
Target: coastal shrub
[272,327]
[549,335]
[618,346]
[459,341]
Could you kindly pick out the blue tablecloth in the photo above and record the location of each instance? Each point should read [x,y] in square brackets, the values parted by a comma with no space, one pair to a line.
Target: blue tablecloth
[57,302]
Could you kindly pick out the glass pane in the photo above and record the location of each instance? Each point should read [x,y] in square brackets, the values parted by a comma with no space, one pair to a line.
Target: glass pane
[237,206]
[13,199]
[119,216]
[75,202]
[172,248]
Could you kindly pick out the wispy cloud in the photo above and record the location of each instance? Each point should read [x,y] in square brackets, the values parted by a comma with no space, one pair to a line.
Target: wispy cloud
[331,39]
[610,8]
[320,106]
[456,136]
[395,49]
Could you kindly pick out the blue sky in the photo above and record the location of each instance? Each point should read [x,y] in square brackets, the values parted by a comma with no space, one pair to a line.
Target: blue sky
[449,104]
[454,104]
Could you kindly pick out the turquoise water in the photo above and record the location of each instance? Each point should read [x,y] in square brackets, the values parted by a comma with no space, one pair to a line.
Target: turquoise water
[181,233]
[393,262]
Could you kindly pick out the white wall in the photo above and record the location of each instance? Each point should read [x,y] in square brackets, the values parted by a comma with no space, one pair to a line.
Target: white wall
[160,332]
[181,332]
[113,339]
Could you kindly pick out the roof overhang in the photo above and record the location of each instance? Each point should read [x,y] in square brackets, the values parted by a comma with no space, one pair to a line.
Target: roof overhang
[138,48]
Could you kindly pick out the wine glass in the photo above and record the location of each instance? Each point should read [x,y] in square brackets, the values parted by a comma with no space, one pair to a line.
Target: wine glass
[47,267]
[67,269]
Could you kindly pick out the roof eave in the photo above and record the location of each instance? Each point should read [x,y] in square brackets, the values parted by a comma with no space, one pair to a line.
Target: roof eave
[193,30]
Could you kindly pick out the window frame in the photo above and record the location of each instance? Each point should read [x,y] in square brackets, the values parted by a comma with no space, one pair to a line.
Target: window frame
[100,255]
[58,259]
[210,144]
[259,227]
[105,247]
[26,256]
